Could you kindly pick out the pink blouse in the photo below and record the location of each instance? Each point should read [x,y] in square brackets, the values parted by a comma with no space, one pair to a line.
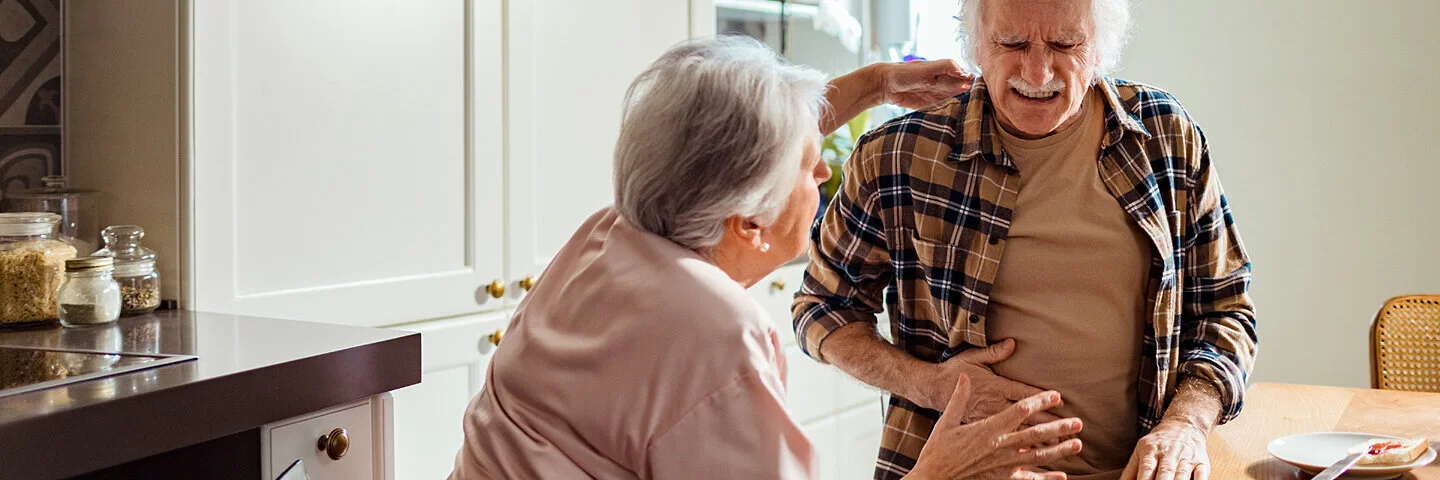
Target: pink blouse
[633,357]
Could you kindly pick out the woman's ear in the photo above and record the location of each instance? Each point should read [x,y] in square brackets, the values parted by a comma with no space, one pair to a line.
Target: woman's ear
[746,232]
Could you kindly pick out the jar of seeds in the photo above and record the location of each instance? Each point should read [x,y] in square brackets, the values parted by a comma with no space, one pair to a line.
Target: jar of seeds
[134,268]
[32,267]
[90,295]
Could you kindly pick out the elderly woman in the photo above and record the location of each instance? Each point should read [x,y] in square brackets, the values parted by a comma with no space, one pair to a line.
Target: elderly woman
[639,354]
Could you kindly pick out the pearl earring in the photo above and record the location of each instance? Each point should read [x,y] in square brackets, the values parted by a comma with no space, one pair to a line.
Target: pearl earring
[764,247]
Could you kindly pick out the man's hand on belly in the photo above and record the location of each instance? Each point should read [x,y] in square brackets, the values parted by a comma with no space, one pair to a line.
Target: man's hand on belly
[991,394]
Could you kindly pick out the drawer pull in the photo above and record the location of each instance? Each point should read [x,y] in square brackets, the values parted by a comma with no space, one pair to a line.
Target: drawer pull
[527,283]
[497,337]
[496,289]
[778,285]
[335,444]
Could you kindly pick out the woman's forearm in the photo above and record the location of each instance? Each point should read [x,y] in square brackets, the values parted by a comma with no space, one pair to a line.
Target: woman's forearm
[850,94]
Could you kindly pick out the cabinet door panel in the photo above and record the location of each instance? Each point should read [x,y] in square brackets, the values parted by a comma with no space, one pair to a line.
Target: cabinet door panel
[824,435]
[569,64]
[850,392]
[858,441]
[428,428]
[810,390]
[348,160]
[429,416]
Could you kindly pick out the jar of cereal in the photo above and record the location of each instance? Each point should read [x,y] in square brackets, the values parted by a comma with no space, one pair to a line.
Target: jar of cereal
[32,267]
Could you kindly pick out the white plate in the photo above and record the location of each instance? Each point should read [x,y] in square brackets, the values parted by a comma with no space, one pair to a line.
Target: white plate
[1313,452]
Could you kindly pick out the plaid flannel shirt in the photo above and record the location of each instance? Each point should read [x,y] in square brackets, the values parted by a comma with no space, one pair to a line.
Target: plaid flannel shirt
[924,210]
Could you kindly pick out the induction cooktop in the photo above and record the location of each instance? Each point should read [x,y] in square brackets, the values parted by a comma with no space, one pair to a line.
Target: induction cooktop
[29,369]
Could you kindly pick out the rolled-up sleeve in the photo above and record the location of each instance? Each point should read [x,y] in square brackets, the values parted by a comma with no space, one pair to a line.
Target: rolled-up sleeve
[1218,338]
[849,261]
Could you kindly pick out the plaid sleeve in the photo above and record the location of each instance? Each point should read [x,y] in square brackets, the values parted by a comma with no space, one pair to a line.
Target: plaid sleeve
[849,264]
[1217,334]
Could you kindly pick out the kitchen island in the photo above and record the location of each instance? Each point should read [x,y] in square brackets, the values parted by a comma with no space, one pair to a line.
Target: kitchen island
[245,406]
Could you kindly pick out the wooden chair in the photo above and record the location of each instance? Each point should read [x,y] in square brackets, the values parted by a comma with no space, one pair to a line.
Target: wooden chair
[1405,344]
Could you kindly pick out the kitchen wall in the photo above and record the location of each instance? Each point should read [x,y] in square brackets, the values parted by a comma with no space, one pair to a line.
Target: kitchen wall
[31,64]
[1321,116]
[124,135]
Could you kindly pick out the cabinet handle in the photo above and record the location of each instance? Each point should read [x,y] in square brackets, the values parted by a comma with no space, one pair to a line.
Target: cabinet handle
[778,284]
[496,289]
[497,336]
[527,283]
[335,444]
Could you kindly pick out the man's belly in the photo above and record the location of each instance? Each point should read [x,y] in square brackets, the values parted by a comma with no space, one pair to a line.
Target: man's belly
[1093,364]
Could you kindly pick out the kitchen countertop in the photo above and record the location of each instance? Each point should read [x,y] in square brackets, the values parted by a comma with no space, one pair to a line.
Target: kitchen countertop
[249,372]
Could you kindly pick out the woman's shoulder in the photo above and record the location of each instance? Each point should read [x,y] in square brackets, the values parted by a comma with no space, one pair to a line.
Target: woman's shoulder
[706,293]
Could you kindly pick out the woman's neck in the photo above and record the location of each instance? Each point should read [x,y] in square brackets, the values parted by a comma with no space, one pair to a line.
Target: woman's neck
[734,262]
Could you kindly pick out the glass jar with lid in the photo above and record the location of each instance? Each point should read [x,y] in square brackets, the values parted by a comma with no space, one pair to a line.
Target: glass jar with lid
[134,268]
[76,207]
[90,295]
[32,267]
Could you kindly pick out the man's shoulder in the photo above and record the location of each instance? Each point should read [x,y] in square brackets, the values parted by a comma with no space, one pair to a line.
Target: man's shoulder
[1152,105]
[925,135]
[940,122]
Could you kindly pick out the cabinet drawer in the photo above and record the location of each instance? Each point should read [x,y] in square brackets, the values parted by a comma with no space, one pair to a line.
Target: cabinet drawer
[297,439]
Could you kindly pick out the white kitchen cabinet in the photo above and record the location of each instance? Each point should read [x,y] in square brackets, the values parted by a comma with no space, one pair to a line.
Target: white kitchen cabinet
[429,415]
[569,63]
[341,443]
[858,441]
[364,162]
[776,293]
[824,435]
[347,158]
[811,386]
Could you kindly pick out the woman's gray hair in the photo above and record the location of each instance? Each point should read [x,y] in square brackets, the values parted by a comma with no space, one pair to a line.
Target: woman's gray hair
[1112,30]
[714,128]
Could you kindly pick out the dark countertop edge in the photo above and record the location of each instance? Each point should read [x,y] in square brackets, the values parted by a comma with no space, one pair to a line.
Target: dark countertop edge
[82,440]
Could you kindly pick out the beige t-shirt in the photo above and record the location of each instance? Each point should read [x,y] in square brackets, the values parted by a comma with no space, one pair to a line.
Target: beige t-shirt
[1071,290]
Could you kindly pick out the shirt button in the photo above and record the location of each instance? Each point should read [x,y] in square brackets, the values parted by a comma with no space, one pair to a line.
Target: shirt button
[974,318]
[994,240]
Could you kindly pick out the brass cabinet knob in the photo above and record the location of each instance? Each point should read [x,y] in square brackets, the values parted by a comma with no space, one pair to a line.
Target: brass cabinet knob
[335,444]
[496,289]
[527,283]
[778,284]
[496,337]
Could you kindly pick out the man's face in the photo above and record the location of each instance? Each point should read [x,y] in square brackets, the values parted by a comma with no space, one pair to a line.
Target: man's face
[1038,58]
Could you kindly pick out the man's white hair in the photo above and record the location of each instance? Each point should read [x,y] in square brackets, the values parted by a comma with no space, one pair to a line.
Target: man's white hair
[714,128]
[1112,30]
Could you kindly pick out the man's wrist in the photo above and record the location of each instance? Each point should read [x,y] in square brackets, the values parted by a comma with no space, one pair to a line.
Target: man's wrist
[915,374]
[1196,405]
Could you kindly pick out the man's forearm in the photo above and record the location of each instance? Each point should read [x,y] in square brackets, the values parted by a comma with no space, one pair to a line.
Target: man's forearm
[850,94]
[1197,403]
[860,352]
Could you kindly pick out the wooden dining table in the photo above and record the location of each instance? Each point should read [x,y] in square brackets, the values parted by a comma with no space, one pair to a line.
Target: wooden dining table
[1274,410]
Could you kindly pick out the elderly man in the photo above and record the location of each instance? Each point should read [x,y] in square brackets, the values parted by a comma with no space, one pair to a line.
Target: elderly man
[1051,228]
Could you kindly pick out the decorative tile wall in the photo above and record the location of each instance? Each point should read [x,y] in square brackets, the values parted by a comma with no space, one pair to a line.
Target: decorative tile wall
[31,65]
